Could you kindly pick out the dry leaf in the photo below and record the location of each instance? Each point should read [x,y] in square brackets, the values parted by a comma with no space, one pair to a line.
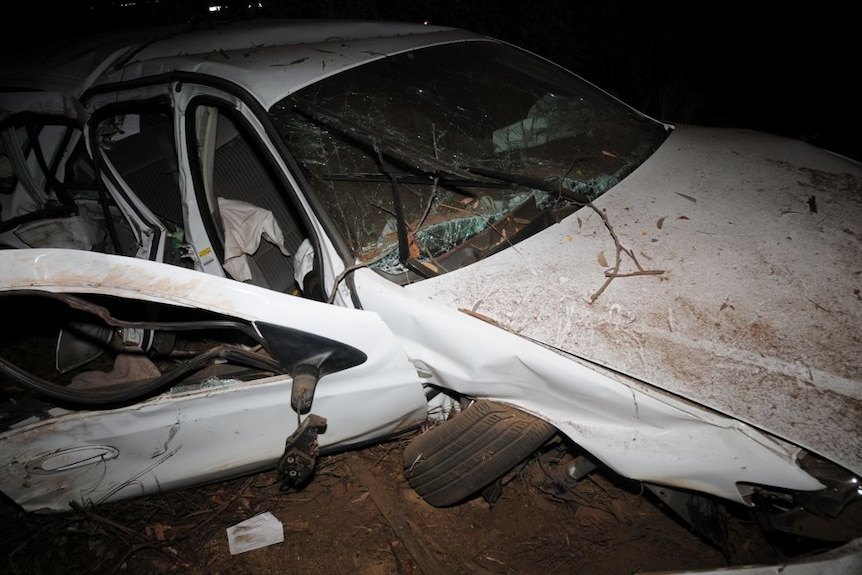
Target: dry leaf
[412,246]
[682,217]
[645,256]
[580,223]
[602,261]
[158,530]
[609,154]
[660,222]
[362,497]
[689,198]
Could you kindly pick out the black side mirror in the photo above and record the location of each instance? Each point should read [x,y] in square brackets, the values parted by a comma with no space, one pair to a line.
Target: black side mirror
[307,357]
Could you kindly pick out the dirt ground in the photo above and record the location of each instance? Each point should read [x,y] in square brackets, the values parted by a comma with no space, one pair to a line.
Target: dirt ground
[358,515]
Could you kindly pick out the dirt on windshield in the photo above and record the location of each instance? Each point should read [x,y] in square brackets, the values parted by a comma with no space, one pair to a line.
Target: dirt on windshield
[358,515]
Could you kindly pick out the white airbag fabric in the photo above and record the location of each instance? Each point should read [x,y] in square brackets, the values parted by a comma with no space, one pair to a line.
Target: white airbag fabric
[244,226]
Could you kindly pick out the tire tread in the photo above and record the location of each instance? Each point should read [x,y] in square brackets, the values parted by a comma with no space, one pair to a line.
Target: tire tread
[459,457]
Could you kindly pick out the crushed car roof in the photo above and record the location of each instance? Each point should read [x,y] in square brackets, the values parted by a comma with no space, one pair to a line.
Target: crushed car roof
[269,58]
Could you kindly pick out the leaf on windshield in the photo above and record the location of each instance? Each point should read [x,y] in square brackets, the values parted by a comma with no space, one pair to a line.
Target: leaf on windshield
[412,246]
[602,260]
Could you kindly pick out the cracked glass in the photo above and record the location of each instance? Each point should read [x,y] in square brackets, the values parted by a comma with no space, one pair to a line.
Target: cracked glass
[431,159]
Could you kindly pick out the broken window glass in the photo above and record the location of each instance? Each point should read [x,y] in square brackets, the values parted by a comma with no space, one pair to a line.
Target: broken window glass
[434,158]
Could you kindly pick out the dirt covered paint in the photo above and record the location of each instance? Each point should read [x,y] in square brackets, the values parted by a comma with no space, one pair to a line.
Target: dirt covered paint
[738,284]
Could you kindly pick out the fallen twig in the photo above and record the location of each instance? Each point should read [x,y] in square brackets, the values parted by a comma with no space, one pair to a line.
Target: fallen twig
[637,273]
[614,272]
[126,534]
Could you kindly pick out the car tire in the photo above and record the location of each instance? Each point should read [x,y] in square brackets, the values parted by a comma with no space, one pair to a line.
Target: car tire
[459,457]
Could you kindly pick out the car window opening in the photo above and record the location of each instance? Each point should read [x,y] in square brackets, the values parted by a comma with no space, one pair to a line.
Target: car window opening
[260,235]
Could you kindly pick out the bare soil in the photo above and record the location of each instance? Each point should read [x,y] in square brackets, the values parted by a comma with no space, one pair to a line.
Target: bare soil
[358,515]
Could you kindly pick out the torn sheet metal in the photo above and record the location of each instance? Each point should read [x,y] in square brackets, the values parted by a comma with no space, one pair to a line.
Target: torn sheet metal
[756,304]
[202,433]
[636,430]
[186,438]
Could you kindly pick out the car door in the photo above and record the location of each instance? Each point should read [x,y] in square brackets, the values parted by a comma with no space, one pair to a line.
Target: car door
[237,193]
[297,364]
[236,168]
[193,169]
[207,424]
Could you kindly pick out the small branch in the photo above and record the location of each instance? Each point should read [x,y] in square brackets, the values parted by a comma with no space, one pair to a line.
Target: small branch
[632,274]
[614,272]
[126,534]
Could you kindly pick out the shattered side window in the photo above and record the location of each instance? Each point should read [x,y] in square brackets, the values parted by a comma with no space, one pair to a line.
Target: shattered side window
[431,159]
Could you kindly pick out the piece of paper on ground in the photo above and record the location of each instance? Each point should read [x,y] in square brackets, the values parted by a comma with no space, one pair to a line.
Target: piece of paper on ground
[259,531]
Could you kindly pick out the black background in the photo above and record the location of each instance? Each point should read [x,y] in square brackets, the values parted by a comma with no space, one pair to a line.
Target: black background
[788,69]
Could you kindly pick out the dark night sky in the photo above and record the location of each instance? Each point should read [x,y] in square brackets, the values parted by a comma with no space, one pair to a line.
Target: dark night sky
[790,71]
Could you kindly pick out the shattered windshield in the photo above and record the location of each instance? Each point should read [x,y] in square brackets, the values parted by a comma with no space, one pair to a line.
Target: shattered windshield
[429,160]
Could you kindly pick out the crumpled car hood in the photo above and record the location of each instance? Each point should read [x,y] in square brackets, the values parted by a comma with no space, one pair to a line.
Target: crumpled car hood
[741,290]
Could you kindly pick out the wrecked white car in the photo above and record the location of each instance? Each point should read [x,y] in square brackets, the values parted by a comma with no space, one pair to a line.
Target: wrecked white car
[233,249]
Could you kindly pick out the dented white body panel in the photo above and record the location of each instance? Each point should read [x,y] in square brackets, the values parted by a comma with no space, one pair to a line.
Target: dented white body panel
[189,435]
[638,431]
[756,312]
